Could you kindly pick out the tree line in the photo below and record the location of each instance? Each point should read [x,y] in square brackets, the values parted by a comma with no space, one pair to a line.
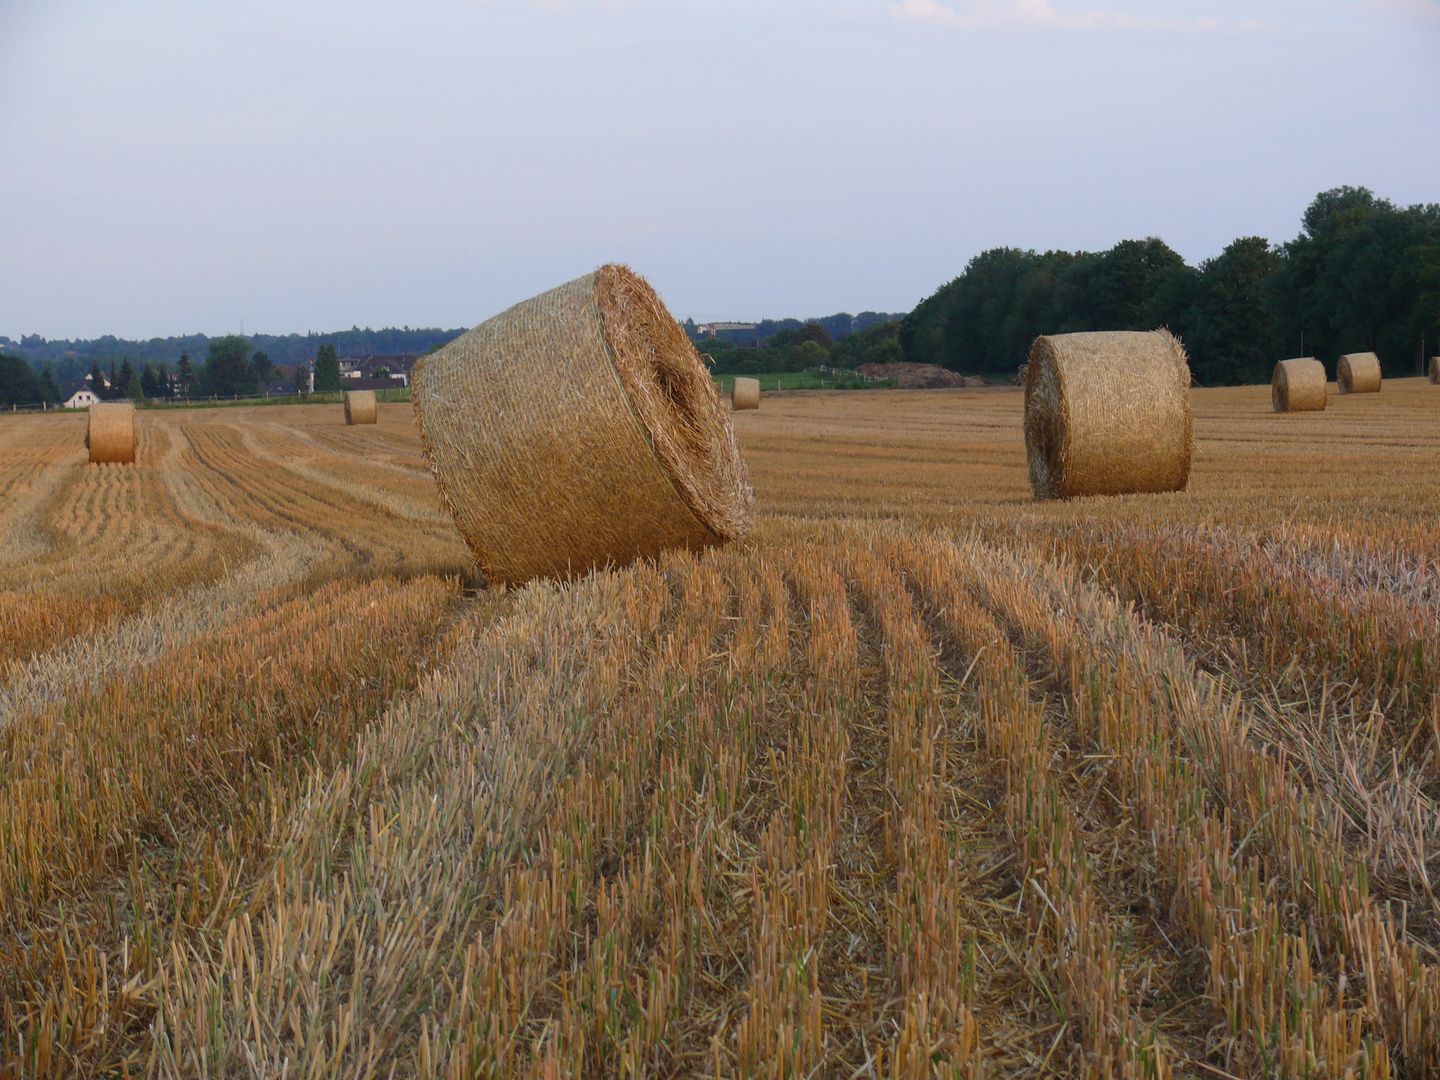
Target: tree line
[232,368]
[1363,275]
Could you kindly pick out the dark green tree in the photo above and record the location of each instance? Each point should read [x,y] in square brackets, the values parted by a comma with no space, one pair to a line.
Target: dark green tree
[327,369]
[167,387]
[150,385]
[97,381]
[18,382]
[302,378]
[184,373]
[1222,313]
[116,388]
[127,383]
[227,366]
[264,370]
[49,390]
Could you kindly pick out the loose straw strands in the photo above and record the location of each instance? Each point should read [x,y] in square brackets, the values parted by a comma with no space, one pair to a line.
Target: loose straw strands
[580,429]
[111,434]
[1298,385]
[1108,414]
[360,407]
[1358,373]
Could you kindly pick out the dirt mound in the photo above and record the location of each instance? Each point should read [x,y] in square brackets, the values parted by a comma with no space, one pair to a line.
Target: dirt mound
[919,376]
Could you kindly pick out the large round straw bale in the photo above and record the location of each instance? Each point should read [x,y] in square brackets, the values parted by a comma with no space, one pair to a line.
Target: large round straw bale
[1107,414]
[111,432]
[1435,370]
[1298,385]
[1358,373]
[360,407]
[580,429]
[745,394]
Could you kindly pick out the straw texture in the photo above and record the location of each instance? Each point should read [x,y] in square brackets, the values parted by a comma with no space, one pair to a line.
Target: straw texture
[1358,373]
[360,407]
[745,394]
[111,433]
[1298,385]
[579,429]
[1108,414]
[1435,370]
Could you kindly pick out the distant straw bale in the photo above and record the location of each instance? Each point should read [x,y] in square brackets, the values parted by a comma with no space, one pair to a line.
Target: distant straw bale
[111,433]
[1435,370]
[745,394]
[1358,373]
[580,429]
[360,407]
[1108,414]
[1298,385]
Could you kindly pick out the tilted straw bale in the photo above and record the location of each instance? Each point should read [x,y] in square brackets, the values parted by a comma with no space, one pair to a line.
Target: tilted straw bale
[1298,385]
[579,429]
[1108,414]
[1358,373]
[360,407]
[110,434]
[745,394]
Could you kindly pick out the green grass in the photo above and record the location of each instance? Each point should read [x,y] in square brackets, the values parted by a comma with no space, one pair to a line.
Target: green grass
[801,380]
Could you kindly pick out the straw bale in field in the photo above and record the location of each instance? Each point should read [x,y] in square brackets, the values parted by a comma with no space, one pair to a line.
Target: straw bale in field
[360,407]
[1298,385]
[1358,373]
[111,432]
[1108,414]
[1435,370]
[745,394]
[579,429]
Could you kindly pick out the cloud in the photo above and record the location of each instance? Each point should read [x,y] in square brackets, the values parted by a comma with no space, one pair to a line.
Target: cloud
[1000,14]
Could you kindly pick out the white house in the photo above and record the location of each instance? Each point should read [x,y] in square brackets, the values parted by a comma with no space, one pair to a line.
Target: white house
[77,394]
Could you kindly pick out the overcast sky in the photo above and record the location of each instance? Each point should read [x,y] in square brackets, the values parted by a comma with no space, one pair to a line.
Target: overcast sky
[176,167]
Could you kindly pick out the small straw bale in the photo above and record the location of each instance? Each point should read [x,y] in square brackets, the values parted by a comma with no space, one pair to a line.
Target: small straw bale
[580,429]
[745,394]
[1108,414]
[1435,371]
[1298,385]
[1358,373]
[360,407]
[111,433]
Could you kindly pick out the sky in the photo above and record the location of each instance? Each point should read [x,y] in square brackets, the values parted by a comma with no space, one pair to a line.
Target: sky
[204,165]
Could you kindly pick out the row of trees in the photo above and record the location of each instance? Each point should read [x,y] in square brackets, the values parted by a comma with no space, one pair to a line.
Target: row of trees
[231,369]
[1363,275]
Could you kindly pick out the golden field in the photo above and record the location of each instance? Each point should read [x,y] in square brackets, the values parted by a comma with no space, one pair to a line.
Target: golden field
[922,778]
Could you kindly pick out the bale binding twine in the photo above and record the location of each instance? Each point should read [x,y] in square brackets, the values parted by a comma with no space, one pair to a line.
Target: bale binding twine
[1108,414]
[1298,385]
[360,407]
[745,394]
[1358,373]
[110,434]
[580,429]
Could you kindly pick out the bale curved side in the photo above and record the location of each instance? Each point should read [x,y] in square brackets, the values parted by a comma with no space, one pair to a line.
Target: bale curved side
[1358,373]
[1108,414]
[745,394]
[580,429]
[1298,385]
[110,434]
[360,407]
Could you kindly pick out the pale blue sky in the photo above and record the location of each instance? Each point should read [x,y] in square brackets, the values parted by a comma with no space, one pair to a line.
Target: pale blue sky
[174,167]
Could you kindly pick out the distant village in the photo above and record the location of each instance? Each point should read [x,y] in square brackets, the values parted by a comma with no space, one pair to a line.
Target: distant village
[359,373]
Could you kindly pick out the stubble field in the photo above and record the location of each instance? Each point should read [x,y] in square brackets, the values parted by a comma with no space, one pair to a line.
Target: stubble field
[922,778]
